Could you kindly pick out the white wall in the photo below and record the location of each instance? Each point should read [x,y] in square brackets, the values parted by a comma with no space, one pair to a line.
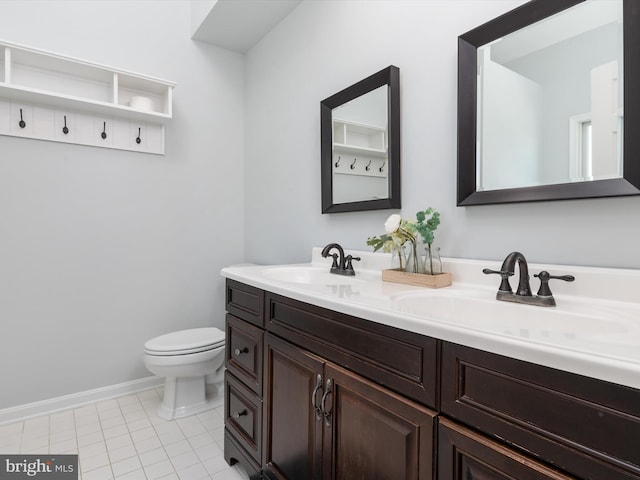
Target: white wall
[510,133]
[102,249]
[325,46]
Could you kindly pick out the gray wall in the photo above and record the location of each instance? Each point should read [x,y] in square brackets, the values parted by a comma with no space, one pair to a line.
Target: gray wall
[321,48]
[563,71]
[102,249]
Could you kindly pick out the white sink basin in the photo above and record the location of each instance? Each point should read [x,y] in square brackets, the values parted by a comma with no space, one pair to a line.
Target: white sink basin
[308,275]
[481,311]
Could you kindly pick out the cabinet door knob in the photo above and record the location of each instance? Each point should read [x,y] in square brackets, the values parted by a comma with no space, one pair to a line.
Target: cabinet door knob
[240,351]
[239,414]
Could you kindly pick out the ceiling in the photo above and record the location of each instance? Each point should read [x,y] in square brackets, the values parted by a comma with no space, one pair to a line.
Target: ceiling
[239,24]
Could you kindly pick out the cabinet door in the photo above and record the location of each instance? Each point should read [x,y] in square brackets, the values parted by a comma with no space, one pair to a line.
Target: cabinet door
[292,442]
[465,455]
[374,433]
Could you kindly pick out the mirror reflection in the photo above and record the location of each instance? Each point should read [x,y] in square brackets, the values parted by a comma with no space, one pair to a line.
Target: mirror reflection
[360,148]
[360,145]
[550,100]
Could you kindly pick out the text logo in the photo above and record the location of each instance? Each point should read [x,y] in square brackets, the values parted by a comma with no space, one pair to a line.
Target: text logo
[26,467]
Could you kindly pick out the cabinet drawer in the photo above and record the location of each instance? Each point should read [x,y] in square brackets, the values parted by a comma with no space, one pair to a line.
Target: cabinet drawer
[244,352]
[400,360]
[245,302]
[585,426]
[243,416]
[466,455]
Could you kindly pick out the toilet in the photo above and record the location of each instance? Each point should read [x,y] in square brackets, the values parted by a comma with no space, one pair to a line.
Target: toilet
[188,360]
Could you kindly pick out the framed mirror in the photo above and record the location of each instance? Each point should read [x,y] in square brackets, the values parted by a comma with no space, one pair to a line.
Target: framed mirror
[360,145]
[549,104]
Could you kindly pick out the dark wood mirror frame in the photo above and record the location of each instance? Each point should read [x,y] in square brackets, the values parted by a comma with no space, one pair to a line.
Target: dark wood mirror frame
[525,15]
[389,76]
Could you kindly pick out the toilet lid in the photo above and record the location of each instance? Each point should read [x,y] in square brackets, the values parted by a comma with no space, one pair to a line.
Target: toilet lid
[183,342]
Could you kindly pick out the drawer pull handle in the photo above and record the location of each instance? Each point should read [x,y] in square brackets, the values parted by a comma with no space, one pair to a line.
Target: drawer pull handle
[239,414]
[327,415]
[314,396]
[240,351]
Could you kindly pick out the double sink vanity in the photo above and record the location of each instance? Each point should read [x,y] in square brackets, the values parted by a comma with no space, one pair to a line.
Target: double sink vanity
[332,376]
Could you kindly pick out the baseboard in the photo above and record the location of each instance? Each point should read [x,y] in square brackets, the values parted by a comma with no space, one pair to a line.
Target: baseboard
[74,400]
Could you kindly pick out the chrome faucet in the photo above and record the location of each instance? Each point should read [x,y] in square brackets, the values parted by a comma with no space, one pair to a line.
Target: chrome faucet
[341,265]
[544,297]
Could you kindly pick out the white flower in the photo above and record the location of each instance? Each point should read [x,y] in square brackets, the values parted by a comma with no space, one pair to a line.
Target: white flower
[393,223]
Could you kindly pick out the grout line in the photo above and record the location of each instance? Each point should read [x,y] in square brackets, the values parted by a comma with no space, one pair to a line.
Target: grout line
[138,407]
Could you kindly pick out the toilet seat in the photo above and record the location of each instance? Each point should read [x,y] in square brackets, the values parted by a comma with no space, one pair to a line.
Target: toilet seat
[185,342]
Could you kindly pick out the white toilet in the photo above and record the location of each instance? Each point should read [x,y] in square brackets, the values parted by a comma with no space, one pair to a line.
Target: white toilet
[188,360]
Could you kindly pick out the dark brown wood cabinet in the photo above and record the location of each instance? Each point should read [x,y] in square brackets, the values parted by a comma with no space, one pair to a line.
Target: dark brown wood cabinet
[325,422]
[372,432]
[243,377]
[466,455]
[313,394]
[587,427]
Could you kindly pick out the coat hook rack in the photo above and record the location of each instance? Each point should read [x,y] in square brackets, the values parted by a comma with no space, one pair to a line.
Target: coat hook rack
[368,167]
[22,123]
[337,164]
[353,165]
[104,131]
[65,129]
[138,139]
[381,169]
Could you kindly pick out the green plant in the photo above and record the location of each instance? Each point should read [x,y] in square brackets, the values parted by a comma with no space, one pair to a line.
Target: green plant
[426,224]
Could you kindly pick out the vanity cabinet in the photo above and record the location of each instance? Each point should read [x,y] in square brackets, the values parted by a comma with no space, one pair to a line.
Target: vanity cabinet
[587,427]
[314,394]
[375,418]
[325,422]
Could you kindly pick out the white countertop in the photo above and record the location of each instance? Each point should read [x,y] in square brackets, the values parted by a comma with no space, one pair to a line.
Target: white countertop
[594,330]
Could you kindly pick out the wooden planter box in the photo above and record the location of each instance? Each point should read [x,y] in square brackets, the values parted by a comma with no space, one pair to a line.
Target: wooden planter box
[418,279]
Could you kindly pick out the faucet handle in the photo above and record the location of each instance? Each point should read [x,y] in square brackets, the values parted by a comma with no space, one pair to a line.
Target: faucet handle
[335,260]
[544,276]
[348,259]
[505,286]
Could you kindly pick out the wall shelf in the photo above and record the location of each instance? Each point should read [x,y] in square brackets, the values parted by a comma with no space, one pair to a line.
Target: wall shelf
[46,86]
[368,139]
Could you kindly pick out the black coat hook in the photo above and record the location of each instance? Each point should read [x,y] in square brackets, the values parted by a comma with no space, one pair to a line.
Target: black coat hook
[65,130]
[104,131]
[138,139]
[368,167]
[337,164]
[22,123]
[353,165]
[382,167]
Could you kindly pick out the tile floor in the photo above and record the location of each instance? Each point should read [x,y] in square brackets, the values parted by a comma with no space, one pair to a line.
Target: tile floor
[124,439]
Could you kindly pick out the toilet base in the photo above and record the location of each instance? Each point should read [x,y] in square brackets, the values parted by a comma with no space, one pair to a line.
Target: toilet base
[185,396]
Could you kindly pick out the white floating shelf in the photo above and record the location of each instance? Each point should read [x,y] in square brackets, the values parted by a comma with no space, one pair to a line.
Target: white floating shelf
[49,85]
[360,150]
[347,133]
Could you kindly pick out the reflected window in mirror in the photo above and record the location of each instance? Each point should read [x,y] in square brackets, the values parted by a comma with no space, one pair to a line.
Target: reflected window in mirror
[542,103]
[360,145]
